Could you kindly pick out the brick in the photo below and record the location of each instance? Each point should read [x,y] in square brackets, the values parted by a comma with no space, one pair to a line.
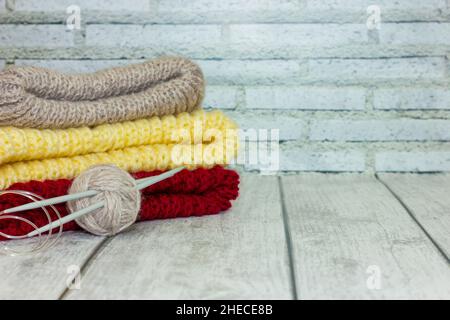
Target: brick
[305,98]
[290,128]
[380,130]
[252,72]
[431,34]
[400,9]
[347,5]
[412,98]
[294,159]
[61,5]
[226,6]
[268,158]
[431,161]
[221,97]
[258,41]
[299,35]
[75,66]
[45,36]
[167,39]
[376,70]
[227,10]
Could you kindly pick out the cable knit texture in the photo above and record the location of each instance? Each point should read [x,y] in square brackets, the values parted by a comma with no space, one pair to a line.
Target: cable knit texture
[41,98]
[188,193]
[198,139]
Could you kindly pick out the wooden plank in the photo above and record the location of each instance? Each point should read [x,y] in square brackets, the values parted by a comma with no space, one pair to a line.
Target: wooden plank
[353,240]
[45,275]
[427,197]
[241,254]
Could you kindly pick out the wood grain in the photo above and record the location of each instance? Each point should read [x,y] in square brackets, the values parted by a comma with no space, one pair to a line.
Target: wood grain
[45,275]
[427,197]
[240,254]
[347,230]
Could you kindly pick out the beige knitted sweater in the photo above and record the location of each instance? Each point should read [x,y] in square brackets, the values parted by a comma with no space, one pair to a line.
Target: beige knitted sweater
[41,98]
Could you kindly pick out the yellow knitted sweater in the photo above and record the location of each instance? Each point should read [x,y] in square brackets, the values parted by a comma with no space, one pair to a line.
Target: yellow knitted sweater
[198,139]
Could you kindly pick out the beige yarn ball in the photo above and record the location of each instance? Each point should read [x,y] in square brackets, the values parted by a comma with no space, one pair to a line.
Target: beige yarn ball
[117,189]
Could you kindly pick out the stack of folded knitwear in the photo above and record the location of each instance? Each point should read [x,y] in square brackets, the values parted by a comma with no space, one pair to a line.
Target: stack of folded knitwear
[144,118]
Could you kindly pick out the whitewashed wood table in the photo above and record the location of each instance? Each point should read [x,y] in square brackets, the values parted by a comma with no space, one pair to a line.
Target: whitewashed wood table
[306,236]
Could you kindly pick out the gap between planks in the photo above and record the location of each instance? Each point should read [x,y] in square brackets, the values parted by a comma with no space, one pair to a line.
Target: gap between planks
[287,231]
[90,258]
[342,225]
[425,198]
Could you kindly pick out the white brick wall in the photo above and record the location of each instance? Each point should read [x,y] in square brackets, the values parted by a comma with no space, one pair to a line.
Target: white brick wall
[48,36]
[413,161]
[305,98]
[377,70]
[232,11]
[333,161]
[185,39]
[290,128]
[344,98]
[380,130]
[405,5]
[412,98]
[251,72]
[222,97]
[415,34]
[230,7]
[61,5]
[261,38]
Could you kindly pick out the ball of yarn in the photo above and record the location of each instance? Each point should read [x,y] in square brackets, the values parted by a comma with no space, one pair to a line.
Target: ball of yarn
[117,189]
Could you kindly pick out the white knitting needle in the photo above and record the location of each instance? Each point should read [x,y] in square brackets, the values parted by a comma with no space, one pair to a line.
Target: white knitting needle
[66,219]
[144,183]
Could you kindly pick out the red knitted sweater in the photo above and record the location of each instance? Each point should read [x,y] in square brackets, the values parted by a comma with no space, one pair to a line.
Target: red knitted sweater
[188,193]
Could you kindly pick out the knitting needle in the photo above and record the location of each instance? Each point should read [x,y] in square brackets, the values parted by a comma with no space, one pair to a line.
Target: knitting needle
[141,184]
[68,218]
[147,182]
[48,202]
[69,197]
